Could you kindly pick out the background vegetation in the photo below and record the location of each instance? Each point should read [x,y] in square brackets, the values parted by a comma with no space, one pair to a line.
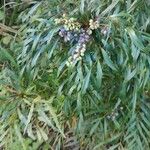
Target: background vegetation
[101,103]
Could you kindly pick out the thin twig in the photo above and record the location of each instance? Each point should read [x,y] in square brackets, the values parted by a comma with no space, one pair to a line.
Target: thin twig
[6,28]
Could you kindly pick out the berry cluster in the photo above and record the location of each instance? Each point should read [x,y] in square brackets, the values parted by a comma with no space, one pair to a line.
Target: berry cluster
[105,30]
[65,34]
[73,31]
[69,24]
[77,55]
[93,24]
[114,113]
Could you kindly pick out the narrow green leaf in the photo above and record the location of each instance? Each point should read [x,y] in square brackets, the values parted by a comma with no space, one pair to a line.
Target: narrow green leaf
[82,5]
[20,138]
[114,137]
[6,55]
[94,128]
[43,134]
[108,60]
[29,117]
[55,118]
[86,81]
[99,74]
[130,74]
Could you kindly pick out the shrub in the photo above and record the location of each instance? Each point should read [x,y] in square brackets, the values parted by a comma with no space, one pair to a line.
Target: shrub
[100,101]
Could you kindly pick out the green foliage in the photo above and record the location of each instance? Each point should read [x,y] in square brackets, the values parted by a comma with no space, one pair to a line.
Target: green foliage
[100,103]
